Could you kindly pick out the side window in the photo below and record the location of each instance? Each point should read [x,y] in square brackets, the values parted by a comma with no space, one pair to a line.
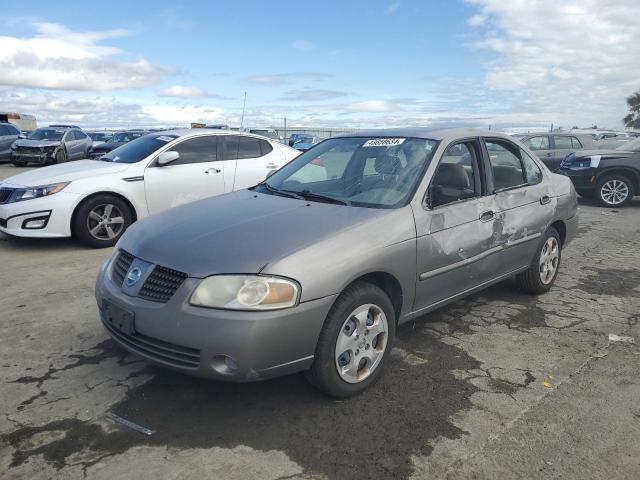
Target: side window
[538,143]
[230,147]
[265,147]
[562,143]
[455,177]
[248,147]
[69,136]
[197,150]
[505,164]
[4,130]
[13,130]
[575,143]
[531,169]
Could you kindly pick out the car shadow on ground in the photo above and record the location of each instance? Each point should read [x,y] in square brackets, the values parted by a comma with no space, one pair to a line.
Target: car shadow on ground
[373,435]
[10,243]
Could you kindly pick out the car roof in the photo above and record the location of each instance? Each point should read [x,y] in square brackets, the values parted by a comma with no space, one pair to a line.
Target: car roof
[426,133]
[184,132]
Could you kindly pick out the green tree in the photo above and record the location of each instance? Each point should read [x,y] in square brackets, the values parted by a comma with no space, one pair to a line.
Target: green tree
[632,120]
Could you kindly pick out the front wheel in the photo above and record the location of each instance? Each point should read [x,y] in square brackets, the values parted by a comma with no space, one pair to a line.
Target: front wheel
[61,156]
[355,341]
[101,220]
[614,190]
[544,269]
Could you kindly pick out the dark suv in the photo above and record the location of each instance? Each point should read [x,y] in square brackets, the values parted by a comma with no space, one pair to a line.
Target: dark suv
[53,144]
[8,134]
[611,176]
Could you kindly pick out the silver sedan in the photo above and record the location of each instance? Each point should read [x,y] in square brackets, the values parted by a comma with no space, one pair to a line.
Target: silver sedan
[314,269]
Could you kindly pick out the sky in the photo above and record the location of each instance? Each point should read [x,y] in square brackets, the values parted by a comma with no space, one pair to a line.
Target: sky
[516,64]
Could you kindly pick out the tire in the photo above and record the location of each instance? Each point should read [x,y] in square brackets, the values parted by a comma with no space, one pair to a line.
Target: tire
[91,212]
[613,191]
[538,278]
[61,156]
[374,306]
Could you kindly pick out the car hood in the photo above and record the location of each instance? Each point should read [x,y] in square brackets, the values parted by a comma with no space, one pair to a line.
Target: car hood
[25,142]
[65,172]
[240,232]
[106,147]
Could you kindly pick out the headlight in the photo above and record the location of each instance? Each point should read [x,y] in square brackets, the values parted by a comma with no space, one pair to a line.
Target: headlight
[13,146]
[245,292]
[37,192]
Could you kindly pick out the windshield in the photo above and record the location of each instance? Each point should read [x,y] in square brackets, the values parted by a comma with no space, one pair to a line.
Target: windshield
[367,172]
[46,134]
[138,149]
[632,146]
[124,137]
[97,136]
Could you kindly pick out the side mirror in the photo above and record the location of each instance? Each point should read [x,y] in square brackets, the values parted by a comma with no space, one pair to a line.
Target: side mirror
[165,158]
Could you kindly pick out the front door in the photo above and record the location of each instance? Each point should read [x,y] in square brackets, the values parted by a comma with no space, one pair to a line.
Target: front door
[196,174]
[523,205]
[454,228]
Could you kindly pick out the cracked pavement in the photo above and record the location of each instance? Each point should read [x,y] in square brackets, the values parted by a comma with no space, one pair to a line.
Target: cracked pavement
[498,385]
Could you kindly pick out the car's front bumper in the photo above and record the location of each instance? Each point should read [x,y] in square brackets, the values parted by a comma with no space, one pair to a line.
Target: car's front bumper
[55,210]
[196,340]
[20,156]
[583,179]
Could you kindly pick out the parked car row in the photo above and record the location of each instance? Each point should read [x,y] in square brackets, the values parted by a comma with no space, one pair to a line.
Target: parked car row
[310,268]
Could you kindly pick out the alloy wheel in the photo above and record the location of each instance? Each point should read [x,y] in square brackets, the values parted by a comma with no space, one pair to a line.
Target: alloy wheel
[614,192]
[549,260]
[361,343]
[105,222]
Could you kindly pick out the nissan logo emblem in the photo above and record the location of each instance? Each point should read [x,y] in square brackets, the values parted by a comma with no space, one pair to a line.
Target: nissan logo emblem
[133,276]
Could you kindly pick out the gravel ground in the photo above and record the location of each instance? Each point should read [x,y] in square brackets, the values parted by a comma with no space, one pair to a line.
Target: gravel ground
[499,385]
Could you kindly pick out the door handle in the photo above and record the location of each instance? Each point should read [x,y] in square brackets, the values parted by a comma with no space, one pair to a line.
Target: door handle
[487,216]
[212,170]
[548,154]
[545,199]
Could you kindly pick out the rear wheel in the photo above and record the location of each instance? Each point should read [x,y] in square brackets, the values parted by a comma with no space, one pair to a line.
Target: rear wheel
[101,220]
[614,190]
[355,341]
[543,270]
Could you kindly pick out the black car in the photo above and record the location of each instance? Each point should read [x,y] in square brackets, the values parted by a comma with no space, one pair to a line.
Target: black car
[49,145]
[117,139]
[610,176]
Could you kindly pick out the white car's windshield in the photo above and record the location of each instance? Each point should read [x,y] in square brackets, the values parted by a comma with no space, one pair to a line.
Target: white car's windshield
[632,146]
[46,134]
[370,172]
[138,149]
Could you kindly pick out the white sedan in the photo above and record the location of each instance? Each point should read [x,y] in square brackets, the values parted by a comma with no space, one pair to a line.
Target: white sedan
[96,200]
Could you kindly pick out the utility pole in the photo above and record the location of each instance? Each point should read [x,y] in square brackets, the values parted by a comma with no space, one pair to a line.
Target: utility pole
[244,104]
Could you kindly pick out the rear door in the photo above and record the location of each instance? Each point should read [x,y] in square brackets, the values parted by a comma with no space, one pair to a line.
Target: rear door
[523,204]
[72,145]
[562,146]
[454,228]
[541,146]
[254,159]
[195,175]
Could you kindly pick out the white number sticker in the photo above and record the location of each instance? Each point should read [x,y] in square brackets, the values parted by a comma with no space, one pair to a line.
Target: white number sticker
[165,139]
[384,142]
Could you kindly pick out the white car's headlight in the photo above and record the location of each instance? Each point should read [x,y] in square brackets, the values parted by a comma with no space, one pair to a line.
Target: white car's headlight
[37,192]
[245,292]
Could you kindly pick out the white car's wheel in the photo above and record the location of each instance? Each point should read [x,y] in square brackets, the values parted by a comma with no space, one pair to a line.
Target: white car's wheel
[101,220]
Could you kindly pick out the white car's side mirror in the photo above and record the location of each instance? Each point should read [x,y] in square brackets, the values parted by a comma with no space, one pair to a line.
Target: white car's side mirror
[165,158]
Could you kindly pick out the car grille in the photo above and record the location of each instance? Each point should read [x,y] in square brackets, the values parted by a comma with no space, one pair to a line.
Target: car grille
[176,355]
[162,284]
[30,150]
[121,266]
[5,194]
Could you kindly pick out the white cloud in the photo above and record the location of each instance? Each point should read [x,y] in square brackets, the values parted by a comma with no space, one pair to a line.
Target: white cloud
[58,58]
[180,91]
[311,95]
[392,8]
[279,79]
[569,62]
[303,45]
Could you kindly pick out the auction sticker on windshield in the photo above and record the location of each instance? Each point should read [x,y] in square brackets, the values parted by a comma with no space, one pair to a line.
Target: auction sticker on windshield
[165,138]
[384,142]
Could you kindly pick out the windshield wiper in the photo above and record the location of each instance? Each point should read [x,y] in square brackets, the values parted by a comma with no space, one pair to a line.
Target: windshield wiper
[277,191]
[306,194]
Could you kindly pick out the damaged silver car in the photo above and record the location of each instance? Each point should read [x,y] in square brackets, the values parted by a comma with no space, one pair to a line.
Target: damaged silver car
[315,268]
